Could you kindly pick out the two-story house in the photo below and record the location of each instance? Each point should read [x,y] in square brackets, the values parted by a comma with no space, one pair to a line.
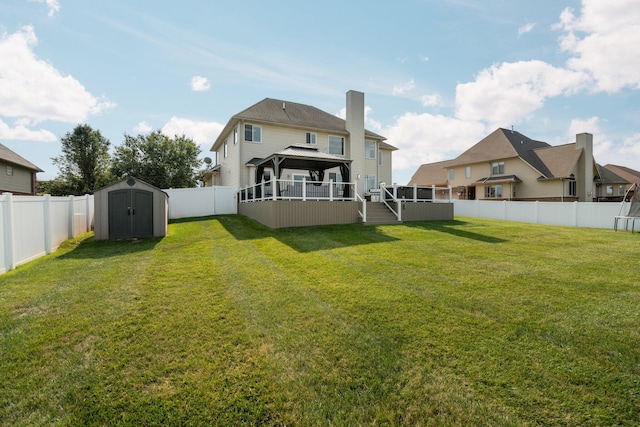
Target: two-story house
[17,174]
[507,165]
[248,147]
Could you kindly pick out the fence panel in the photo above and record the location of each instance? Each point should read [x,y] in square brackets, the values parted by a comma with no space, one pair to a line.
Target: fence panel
[28,229]
[34,226]
[195,202]
[577,214]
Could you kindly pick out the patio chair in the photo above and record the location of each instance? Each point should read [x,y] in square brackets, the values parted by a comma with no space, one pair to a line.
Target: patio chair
[634,209]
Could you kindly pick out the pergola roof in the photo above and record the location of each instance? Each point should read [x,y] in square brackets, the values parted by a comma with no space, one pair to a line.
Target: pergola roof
[302,157]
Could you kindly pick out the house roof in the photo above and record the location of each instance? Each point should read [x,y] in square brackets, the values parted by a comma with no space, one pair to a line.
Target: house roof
[630,175]
[557,161]
[431,174]
[607,176]
[14,159]
[285,113]
[501,144]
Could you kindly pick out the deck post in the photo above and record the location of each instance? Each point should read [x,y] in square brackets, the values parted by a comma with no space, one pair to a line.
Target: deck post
[304,188]
[331,190]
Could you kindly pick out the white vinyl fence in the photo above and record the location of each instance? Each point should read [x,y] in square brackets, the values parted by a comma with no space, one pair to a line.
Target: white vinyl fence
[195,202]
[576,214]
[31,227]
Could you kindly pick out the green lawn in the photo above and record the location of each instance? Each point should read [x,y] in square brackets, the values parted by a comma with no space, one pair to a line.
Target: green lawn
[225,322]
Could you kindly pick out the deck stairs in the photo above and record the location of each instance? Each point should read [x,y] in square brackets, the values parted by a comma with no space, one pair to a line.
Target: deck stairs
[379,214]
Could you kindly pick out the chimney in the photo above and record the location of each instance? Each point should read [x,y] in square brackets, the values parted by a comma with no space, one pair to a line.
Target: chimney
[584,180]
[354,145]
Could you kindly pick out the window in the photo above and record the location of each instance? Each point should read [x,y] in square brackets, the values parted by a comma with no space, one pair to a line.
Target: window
[9,170]
[493,191]
[572,186]
[369,150]
[609,190]
[225,150]
[311,138]
[497,168]
[335,177]
[253,133]
[467,172]
[452,174]
[336,145]
[379,158]
[369,182]
[235,135]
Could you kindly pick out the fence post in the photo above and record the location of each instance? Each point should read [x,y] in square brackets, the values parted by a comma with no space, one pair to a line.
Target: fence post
[575,213]
[537,211]
[88,210]
[71,215]
[48,247]
[9,240]
[504,209]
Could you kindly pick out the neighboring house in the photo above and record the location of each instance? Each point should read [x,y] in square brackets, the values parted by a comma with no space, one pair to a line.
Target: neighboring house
[252,142]
[628,174]
[507,165]
[17,175]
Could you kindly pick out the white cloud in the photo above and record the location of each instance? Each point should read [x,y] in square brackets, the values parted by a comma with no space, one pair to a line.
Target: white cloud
[432,100]
[504,94]
[605,42]
[143,127]
[54,6]
[526,29]
[21,132]
[426,138]
[200,132]
[403,88]
[35,90]
[200,84]
[424,59]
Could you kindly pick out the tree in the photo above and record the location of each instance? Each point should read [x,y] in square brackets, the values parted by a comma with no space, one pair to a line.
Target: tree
[84,162]
[158,160]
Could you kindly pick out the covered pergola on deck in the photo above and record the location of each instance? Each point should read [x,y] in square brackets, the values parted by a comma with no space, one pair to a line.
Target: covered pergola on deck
[297,157]
[279,203]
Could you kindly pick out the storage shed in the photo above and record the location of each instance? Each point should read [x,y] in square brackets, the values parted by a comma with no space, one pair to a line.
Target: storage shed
[130,209]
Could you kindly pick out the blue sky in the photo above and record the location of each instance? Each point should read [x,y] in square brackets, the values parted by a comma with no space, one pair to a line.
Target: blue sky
[438,75]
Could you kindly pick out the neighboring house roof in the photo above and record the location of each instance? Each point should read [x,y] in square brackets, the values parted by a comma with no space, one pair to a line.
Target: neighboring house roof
[13,158]
[501,144]
[285,113]
[556,162]
[431,174]
[607,176]
[628,174]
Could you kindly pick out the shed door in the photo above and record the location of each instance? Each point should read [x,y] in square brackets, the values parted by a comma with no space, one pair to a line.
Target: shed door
[130,214]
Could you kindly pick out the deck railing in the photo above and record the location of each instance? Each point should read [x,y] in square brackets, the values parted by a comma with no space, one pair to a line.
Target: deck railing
[416,193]
[286,189]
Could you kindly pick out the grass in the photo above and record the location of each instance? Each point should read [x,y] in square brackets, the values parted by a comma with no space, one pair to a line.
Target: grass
[225,322]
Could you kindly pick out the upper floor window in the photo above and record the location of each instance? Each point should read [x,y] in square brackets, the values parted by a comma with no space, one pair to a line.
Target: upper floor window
[370,149]
[225,150]
[311,138]
[467,172]
[497,168]
[452,174]
[253,133]
[9,170]
[235,135]
[379,158]
[336,145]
